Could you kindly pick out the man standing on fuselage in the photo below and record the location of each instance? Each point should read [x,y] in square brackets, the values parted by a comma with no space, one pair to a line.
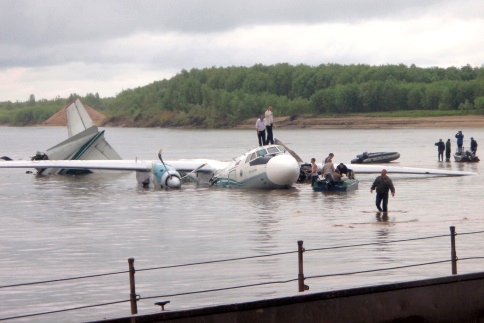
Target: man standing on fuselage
[269,125]
[260,127]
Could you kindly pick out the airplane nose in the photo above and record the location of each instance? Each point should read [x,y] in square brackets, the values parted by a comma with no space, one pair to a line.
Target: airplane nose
[173,182]
[283,170]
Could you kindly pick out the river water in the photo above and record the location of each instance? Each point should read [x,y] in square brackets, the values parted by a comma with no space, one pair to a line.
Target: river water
[63,226]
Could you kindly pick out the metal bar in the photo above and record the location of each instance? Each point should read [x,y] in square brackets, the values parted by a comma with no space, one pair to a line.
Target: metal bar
[300,276]
[132,287]
[453,253]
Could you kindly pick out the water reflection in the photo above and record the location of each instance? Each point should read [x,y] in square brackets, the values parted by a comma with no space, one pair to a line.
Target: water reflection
[382,216]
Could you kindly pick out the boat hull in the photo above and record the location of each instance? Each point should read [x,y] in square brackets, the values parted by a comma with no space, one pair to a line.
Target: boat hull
[378,157]
[466,157]
[322,185]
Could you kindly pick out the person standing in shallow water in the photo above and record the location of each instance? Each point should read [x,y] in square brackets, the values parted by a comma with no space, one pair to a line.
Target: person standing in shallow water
[382,184]
[447,150]
[440,148]
[473,145]
[460,140]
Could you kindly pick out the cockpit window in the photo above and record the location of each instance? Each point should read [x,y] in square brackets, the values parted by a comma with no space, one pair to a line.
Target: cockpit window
[273,150]
[261,152]
[281,149]
[252,156]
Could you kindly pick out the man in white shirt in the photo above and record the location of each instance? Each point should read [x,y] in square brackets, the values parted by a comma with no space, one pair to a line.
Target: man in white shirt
[260,127]
[269,124]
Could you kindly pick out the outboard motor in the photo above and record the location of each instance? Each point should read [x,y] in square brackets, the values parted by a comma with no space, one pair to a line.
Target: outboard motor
[351,174]
[329,178]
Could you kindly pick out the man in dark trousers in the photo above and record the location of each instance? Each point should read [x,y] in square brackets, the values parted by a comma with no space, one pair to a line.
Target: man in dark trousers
[440,148]
[473,145]
[383,184]
[447,150]
[260,127]
[460,140]
[269,124]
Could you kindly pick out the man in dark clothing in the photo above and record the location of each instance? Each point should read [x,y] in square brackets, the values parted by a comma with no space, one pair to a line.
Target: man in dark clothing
[440,148]
[383,184]
[342,169]
[460,140]
[447,150]
[260,127]
[473,146]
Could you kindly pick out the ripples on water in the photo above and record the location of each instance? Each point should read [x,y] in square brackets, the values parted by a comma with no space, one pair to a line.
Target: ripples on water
[63,226]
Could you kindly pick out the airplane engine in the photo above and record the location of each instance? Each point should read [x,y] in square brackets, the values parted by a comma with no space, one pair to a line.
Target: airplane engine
[166,176]
[171,179]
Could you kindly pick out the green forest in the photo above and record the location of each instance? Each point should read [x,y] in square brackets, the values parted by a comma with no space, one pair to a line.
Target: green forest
[222,97]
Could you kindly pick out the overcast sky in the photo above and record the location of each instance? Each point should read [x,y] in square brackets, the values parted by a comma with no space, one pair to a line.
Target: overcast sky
[54,48]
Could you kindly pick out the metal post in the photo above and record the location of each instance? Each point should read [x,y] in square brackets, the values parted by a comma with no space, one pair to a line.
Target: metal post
[300,276]
[453,253]
[132,287]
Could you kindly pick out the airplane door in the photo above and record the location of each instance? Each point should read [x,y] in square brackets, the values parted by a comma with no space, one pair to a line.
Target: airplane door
[233,175]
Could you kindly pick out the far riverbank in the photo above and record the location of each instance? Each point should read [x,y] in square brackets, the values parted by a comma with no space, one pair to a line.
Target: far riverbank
[334,122]
[363,122]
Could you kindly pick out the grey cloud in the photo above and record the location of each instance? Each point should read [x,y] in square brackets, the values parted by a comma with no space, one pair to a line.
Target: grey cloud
[51,21]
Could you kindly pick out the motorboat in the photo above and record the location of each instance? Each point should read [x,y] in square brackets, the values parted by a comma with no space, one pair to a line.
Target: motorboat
[466,156]
[378,157]
[329,184]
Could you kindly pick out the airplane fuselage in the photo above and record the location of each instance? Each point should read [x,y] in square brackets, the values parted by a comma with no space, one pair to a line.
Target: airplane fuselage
[267,167]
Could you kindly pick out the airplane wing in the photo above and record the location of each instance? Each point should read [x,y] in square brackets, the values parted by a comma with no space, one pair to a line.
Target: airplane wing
[189,165]
[183,165]
[371,169]
[126,165]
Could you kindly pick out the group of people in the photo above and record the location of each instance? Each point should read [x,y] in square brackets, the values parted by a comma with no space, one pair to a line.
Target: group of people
[382,184]
[336,173]
[263,124]
[446,147]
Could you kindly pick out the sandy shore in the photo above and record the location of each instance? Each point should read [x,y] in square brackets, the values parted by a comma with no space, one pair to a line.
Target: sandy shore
[357,122]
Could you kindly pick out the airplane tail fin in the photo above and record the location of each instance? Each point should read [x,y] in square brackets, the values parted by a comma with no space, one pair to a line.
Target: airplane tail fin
[78,119]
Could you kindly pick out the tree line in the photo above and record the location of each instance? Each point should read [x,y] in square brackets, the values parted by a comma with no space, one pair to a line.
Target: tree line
[225,96]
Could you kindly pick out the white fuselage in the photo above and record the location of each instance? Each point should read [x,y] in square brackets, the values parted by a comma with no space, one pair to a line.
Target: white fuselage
[267,167]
